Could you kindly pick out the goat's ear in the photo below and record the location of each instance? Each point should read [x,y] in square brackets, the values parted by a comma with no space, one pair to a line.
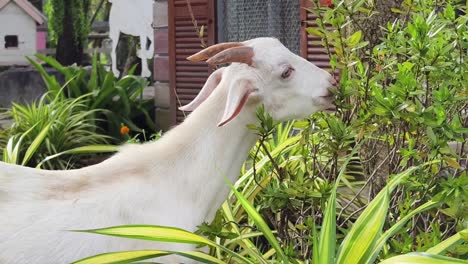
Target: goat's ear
[237,97]
[208,88]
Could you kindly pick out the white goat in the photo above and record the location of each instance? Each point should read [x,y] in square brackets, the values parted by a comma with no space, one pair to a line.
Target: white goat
[135,18]
[176,181]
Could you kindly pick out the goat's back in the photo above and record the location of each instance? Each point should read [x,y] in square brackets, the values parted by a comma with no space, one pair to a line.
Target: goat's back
[39,208]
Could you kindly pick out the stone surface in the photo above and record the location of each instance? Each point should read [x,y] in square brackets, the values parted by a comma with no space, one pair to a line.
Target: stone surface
[5,123]
[161,68]
[163,117]
[21,85]
[161,41]
[148,93]
[162,95]
[160,14]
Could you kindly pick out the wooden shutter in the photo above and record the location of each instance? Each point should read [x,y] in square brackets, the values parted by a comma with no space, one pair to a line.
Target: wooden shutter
[187,78]
[311,46]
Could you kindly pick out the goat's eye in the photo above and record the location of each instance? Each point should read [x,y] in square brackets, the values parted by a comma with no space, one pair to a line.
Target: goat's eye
[286,73]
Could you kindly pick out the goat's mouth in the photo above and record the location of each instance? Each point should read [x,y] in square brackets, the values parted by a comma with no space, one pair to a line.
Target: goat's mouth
[327,103]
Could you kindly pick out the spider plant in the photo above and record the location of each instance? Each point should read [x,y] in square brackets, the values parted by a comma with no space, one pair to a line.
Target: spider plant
[50,126]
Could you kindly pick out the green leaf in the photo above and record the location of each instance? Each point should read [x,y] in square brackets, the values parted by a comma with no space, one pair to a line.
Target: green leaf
[431,135]
[123,257]
[242,240]
[449,12]
[82,150]
[259,222]
[35,144]
[162,234]
[50,81]
[93,80]
[153,233]
[358,244]
[200,257]
[397,227]
[445,245]
[327,240]
[422,258]
[314,31]
[355,38]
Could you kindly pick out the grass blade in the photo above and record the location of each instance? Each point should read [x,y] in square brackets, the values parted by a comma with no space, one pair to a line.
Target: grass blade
[123,257]
[153,233]
[260,222]
[35,144]
[82,150]
[200,257]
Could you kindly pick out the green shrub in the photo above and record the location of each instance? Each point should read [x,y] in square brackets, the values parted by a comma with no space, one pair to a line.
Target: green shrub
[51,126]
[122,98]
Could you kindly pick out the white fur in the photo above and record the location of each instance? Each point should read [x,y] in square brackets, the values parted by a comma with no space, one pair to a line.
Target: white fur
[176,181]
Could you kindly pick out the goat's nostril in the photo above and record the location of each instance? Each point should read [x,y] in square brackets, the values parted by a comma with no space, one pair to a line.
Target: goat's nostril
[333,81]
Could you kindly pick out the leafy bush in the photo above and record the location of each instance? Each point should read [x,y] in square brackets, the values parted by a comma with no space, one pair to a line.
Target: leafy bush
[122,98]
[50,127]
[405,100]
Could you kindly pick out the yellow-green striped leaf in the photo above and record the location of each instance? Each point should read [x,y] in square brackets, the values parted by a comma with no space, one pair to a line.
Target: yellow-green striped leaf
[327,241]
[454,240]
[153,233]
[243,239]
[358,244]
[82,150]
[35,144]
[123,257]
[422,258]
[200,257]
[259,222]
[396,227]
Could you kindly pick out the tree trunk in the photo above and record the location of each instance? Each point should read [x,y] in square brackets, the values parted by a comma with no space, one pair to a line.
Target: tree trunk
[69,46]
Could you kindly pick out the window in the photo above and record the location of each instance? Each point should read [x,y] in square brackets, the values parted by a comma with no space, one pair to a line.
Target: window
[11,41]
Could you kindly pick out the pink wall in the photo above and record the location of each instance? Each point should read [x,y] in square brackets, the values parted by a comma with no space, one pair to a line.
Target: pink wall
[41,38]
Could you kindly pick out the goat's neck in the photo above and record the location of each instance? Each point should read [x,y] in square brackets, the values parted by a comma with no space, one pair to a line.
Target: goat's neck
[220,145]
[212,153]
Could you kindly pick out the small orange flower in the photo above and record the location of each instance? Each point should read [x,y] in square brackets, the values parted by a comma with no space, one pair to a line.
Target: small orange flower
[327,3]
[124,130]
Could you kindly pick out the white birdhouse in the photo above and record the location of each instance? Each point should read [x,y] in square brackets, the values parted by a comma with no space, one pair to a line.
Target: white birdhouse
[18,32]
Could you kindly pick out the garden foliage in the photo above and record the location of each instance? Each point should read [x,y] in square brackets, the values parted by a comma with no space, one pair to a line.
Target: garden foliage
[51,125]
[82,116]
[121,98]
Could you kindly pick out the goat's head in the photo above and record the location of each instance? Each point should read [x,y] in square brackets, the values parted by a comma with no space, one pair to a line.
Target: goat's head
[263,71]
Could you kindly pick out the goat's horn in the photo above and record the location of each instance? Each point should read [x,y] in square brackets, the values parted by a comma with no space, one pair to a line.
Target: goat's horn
[213,50]
[242,54]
